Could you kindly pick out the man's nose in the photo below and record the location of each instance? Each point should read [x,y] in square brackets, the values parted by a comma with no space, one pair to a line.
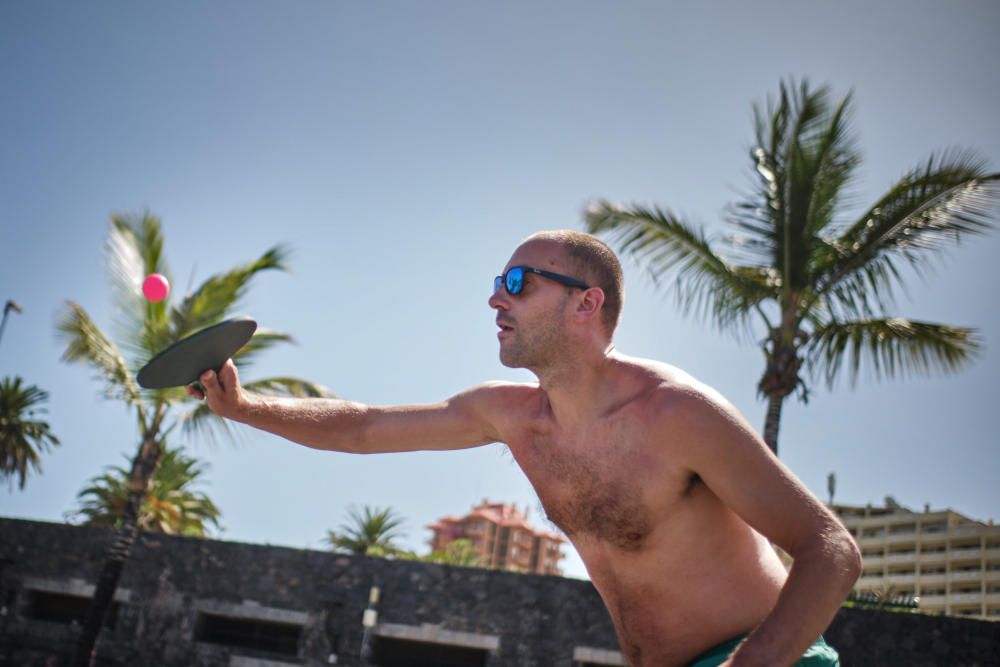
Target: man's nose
[498,299]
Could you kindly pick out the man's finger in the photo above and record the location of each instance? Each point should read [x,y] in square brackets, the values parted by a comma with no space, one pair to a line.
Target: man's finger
[227,374]
[209,380]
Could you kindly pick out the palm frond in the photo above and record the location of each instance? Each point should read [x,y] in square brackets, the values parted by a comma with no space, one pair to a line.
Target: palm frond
[928,209]
[804,157]
[87,344]
[22,438]
[702,281]
[133,250]
[170,506]
[889,348]
[221,293]
[289,386]
[372,532]
[263,340]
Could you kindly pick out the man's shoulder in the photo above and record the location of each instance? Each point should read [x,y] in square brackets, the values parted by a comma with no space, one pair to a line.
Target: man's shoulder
[667,386]
[500,394]
[676,399]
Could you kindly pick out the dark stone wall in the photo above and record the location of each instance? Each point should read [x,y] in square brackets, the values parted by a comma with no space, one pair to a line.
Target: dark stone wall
[539,619]
[871,637]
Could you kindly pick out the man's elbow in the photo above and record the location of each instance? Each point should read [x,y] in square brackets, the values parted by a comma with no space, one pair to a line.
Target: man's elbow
[846,554]
[857,564]
[835,551]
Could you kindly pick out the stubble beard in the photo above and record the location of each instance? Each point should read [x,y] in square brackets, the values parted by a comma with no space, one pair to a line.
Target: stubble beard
[535,347]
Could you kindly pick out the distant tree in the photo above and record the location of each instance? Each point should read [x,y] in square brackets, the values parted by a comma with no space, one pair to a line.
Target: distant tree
[457,552]
[371,532]
[819,283]
[171,506]
[22,437]
[134,250]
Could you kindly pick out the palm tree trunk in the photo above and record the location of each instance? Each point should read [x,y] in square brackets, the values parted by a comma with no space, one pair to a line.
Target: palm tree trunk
[773,421]
[143,467]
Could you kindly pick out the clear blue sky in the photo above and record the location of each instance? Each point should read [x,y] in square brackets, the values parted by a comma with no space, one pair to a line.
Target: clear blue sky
[403,150]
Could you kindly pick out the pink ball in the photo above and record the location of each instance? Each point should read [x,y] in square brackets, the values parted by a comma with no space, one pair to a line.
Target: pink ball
[155,287]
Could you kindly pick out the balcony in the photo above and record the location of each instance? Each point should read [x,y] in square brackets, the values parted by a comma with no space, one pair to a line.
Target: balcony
[901,538]
[873,561]
[933,538]
[965,598]
[933,556]
[902,558]
[933,578]
[965,531]
[969,575]
[901,579]
[966,553]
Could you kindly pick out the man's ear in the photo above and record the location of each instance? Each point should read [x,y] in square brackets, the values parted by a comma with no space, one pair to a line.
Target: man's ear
[590,305]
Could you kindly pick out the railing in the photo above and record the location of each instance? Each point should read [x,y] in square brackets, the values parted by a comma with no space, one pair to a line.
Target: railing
[902,558]
[955,598]
[966,575]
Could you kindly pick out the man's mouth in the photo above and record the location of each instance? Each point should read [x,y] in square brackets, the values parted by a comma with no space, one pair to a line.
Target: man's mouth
[504,328]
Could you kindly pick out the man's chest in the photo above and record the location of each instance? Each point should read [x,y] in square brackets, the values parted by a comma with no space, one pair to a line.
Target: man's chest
[611,483]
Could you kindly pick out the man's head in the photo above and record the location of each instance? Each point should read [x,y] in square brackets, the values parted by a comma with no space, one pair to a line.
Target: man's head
[568,286]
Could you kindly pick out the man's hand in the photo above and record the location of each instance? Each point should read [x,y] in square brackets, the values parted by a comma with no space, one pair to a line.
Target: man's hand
[226,397]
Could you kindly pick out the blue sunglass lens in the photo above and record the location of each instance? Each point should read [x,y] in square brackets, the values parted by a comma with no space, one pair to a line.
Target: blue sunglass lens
[515,280]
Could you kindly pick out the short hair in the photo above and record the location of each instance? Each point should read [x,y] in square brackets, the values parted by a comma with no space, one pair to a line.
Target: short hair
[594,263]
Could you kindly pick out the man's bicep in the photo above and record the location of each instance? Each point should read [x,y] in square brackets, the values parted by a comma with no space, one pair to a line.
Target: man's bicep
[736,464]
[462,421]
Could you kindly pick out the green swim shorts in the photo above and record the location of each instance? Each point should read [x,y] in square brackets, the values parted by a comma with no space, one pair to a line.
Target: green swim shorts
[820,654]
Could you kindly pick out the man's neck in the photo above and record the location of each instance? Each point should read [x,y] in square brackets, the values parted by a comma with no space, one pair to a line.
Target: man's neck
[581,388]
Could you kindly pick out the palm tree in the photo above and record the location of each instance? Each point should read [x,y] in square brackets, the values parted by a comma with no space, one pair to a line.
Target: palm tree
[21,437]
[371,533]
[170,506]
[458,552]
[820,284]
[135,249]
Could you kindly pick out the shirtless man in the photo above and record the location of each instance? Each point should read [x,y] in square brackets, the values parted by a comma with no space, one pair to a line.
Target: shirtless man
[665,490]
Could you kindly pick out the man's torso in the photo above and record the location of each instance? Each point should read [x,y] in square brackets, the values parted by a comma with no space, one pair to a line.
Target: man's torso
[677,569]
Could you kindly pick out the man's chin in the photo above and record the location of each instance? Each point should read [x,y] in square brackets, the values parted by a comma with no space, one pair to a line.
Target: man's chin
[510,361]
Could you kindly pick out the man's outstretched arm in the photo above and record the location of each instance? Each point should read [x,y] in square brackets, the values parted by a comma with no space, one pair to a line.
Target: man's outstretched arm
[465,420]
[739,468]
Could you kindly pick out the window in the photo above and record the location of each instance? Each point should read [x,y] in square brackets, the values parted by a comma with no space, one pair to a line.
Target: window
[393,652]
[267,636]
[63,608]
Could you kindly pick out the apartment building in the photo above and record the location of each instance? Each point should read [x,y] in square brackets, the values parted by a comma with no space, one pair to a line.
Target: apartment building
[947,562]
[503,539]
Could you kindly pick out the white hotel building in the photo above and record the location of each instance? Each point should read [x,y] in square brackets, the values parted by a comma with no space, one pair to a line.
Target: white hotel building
[948,562]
